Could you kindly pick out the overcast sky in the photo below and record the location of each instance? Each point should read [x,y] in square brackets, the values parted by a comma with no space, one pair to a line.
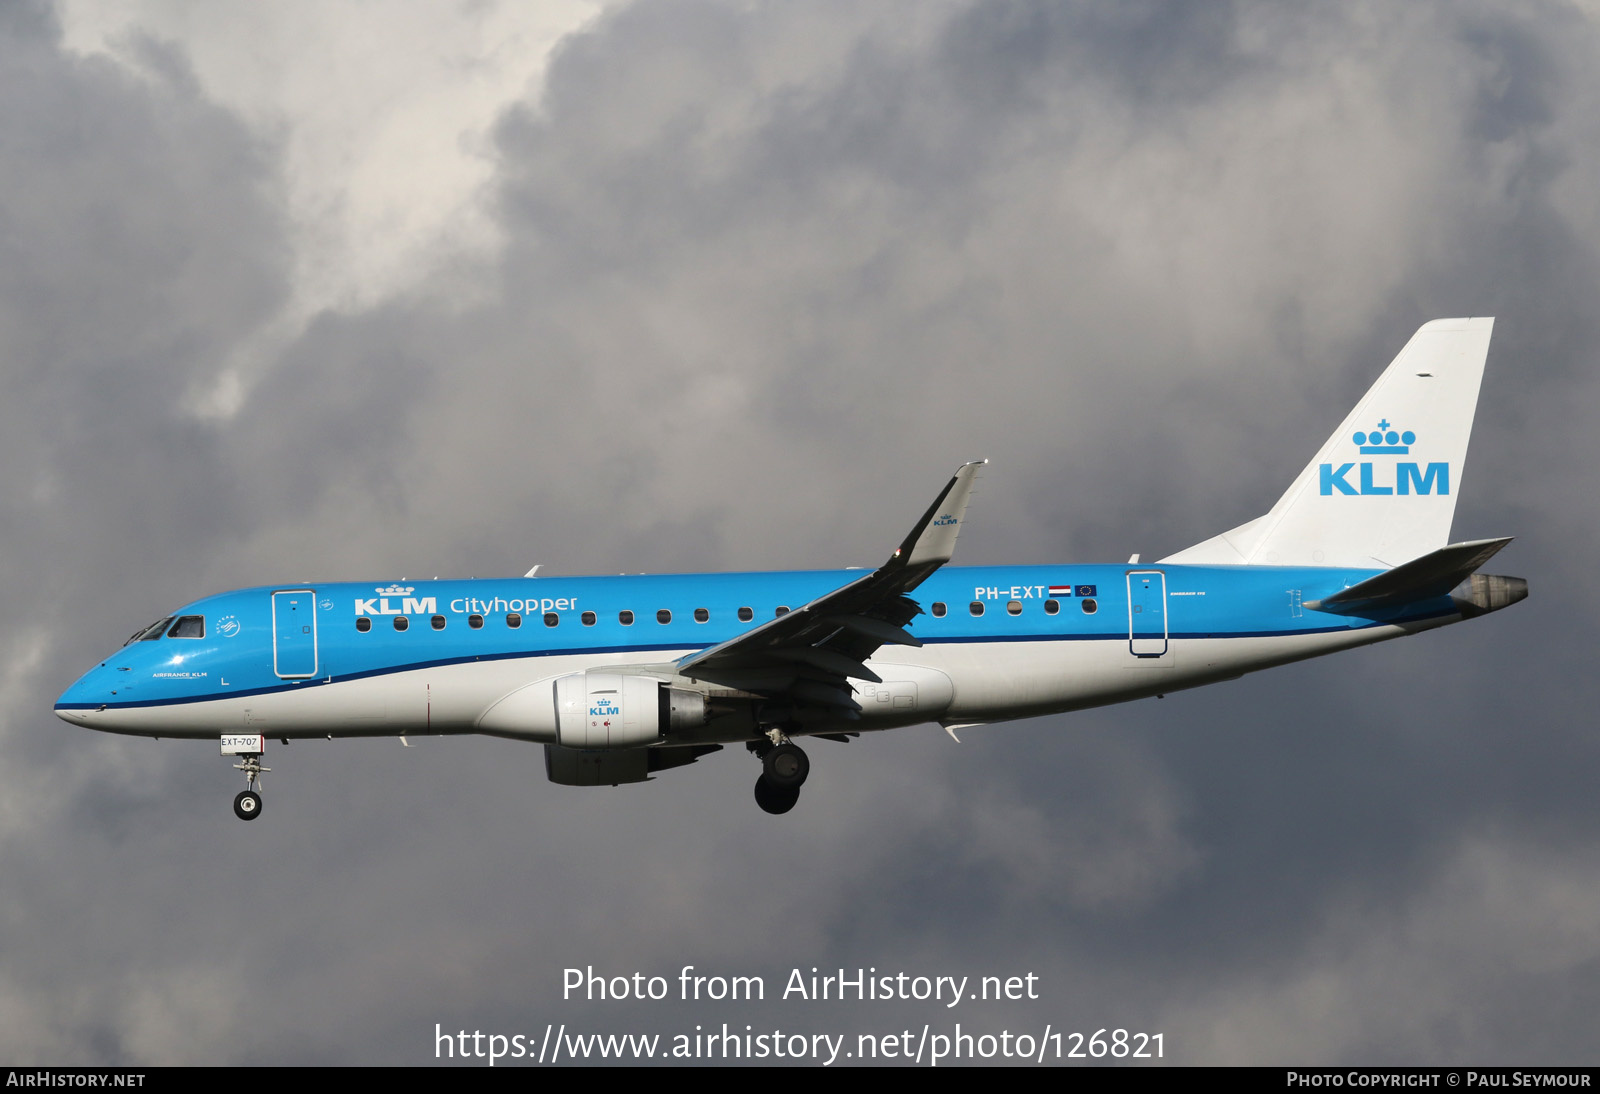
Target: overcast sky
[312,291]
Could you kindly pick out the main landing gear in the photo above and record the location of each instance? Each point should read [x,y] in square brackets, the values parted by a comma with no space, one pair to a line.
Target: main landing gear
[247,805]
[784,768]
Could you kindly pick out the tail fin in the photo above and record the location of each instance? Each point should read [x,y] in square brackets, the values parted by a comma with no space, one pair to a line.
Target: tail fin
[1382,491]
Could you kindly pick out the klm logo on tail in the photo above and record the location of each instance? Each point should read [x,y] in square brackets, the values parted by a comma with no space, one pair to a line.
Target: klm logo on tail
[1384,441]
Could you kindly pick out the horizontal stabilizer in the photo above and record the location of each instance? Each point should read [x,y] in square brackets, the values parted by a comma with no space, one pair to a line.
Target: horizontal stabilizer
[1433,575]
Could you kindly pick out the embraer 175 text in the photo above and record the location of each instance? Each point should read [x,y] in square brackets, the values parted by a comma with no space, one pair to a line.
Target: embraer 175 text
[620,677]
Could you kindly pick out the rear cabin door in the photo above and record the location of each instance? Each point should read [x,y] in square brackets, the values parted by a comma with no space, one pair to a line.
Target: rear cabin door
[1147,613]
[294,633]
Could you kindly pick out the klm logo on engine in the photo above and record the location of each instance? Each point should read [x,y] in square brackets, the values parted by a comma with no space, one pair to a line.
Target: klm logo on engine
[1374,478]
[409,605]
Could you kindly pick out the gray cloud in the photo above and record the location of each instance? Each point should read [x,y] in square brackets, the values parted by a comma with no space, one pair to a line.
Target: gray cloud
[769,273]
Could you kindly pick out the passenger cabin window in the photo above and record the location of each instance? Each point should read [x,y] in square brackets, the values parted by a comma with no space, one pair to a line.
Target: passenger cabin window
[438,622]
[1051,607]
[976,607]
[589,619]
[513,620]
[783,609]
[701,615]
[551,619]
[663,616]
[1090,607]
[475,622]
[401,622]
[188,626]
[746,614]
[1013,607]
[939,609]
[625,617]
[363,624]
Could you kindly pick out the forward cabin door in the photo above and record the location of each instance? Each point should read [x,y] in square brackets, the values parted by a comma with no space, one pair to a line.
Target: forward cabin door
[1147,613]
[294,633]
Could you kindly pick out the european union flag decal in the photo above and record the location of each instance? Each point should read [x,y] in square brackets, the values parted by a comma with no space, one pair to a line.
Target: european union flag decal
[1087,590]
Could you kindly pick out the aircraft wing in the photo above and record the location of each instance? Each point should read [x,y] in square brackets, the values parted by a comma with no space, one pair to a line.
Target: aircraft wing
[808,656]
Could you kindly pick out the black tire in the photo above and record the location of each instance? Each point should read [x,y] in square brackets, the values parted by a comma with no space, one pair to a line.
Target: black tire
[775,799]
[247,806]
[786,766]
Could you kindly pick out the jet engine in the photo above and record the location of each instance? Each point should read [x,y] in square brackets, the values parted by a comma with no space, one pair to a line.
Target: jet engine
[596,710]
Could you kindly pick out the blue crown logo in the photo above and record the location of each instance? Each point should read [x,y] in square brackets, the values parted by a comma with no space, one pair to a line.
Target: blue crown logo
[1384,441]
[395,590]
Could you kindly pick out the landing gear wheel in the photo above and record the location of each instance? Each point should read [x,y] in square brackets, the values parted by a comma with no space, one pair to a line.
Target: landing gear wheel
[247,806]
[776,799]
[785,766]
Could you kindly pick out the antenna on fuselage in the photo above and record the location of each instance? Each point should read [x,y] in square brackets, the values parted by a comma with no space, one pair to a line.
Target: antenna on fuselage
[533,571]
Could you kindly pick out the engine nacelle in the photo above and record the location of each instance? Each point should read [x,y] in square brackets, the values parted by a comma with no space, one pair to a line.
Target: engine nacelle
[595,710]
[608,710]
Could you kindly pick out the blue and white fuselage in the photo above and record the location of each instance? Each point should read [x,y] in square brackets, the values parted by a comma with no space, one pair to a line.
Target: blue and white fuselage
[620,677]
[996,644]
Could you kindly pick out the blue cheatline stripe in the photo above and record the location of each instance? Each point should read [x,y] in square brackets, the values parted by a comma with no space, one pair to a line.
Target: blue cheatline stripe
[414,666]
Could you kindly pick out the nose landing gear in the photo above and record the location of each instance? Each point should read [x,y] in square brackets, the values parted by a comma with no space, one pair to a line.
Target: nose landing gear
[247,805]
[784,768]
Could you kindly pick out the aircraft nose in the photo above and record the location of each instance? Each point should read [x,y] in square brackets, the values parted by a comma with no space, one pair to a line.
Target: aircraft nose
[76,717]
[79,703]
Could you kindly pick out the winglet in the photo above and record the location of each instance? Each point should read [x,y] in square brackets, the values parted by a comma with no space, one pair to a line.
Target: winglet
[933,540]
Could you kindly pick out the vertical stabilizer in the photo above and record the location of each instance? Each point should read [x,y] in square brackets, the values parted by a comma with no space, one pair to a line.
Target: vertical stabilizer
[1383,488]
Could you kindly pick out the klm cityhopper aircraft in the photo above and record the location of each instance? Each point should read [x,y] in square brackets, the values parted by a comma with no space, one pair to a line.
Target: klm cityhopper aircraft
[621,677]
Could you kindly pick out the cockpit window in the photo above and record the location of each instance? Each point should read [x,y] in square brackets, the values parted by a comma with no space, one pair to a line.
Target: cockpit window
[150,633]
[188,626]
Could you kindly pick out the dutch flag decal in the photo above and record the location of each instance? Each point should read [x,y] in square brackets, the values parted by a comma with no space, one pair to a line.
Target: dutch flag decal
[1061,590]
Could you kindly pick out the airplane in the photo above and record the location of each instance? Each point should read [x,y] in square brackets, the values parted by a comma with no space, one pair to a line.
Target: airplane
[623,677]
